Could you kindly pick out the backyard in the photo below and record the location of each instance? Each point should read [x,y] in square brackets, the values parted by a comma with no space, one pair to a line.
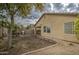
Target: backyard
[25,44]
[19,28]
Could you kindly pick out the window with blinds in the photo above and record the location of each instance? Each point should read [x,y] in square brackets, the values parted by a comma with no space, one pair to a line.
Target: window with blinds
[69,28]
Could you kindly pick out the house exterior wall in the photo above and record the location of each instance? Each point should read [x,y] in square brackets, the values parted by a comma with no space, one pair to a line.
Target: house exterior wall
[56,24]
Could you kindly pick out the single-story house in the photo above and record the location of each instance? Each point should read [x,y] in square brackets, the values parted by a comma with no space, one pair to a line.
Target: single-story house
[57,25]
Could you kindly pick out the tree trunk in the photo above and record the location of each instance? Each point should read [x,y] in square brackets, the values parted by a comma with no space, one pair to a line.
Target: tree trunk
[10,31]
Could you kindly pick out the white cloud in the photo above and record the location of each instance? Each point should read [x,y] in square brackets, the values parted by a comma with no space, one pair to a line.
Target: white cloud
[51,6]
[38,14]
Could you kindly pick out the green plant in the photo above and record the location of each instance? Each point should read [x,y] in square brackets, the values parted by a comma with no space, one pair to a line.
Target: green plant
[77,27]
[18,9]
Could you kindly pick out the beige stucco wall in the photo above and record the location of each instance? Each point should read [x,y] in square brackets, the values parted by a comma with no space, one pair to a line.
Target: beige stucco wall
[56,24]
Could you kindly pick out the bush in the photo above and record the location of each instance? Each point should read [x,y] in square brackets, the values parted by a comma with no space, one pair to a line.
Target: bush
[77,27]
[1,37]
[3,45]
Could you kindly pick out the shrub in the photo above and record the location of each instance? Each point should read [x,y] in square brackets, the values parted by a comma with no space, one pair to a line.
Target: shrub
[77,27]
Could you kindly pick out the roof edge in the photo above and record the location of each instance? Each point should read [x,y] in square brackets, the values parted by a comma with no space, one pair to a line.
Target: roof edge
[67,14]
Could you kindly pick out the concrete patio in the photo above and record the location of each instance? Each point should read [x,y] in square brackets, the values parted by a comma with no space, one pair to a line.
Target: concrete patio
[61,48]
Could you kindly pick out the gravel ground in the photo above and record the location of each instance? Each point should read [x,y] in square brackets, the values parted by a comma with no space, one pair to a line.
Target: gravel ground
[30,43]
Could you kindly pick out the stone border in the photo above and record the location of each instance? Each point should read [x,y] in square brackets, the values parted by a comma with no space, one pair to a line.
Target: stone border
[38,50]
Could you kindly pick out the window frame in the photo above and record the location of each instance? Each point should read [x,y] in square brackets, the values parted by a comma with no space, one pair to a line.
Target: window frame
[70,28]
[46,29]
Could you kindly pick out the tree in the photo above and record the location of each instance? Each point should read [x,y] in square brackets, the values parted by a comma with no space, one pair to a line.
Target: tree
[47,7]
[77,9]
[13,9]
[71,7]
[3,24]
[57,6]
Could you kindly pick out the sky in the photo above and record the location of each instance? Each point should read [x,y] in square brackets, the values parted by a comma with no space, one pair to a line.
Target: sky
[35,15]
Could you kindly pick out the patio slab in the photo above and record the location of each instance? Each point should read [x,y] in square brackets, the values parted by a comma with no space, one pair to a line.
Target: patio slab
[61,48]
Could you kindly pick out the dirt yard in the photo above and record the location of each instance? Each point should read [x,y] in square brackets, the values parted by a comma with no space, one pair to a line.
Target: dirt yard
[22,45]
[60,48]
[28,43]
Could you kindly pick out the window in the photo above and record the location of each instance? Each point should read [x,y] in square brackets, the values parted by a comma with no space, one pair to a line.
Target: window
[69,27]
[46,29]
